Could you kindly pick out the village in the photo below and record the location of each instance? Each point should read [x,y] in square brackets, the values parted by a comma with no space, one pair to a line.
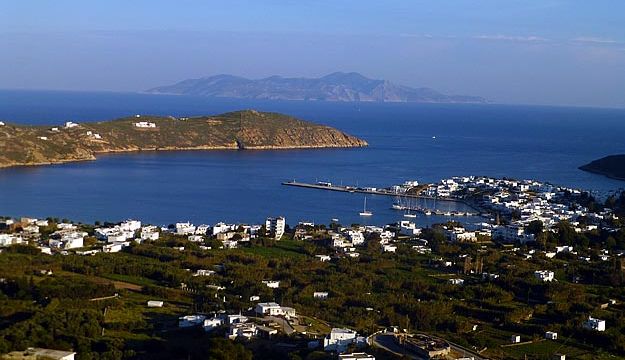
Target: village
[525,221]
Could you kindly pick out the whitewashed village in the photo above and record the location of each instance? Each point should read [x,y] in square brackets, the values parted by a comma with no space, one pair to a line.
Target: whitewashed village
[514,218]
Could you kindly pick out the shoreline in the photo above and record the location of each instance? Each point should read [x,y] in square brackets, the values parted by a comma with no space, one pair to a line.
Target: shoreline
[606,174]
[380,192]
[176,149]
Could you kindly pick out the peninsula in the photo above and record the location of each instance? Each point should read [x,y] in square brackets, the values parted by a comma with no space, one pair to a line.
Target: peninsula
[612,166]
[23,145]
[338,86]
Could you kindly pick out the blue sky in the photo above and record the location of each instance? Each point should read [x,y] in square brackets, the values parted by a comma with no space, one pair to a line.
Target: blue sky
[538,52]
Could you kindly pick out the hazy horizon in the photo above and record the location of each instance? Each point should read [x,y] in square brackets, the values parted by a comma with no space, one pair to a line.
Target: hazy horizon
[521,52]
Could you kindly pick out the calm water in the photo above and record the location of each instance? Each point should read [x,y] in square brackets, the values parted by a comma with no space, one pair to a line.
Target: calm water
[544,143]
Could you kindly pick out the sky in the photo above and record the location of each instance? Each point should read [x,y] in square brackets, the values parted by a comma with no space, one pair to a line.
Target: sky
[555,52]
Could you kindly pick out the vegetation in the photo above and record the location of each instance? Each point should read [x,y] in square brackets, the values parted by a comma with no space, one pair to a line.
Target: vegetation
[34,145]
[96,305]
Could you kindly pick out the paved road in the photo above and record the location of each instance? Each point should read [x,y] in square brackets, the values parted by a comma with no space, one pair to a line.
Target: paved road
[286,327]
[387,342]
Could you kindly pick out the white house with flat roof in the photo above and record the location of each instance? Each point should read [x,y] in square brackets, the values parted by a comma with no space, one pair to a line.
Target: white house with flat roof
[339,339]
[191,320]
[274,309]
[594,324]
[212,323]
[544,275]
[145,124]
[322,295]
[274,284]
[551,335]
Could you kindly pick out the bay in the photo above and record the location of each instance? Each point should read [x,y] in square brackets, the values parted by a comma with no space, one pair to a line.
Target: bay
[425,142]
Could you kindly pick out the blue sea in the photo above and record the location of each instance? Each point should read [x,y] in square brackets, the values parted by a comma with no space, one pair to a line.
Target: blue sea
[424,142]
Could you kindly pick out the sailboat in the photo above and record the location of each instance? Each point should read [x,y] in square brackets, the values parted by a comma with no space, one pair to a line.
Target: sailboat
[364,211]
[408,214]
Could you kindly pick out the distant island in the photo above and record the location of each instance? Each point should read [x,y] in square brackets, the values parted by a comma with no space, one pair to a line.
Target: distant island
[22,145]
[612,166]
[338,86]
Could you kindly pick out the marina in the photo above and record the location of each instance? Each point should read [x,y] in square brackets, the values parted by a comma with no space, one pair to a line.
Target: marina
[392,191]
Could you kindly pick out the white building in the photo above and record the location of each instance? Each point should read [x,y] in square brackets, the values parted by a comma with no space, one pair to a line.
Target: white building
[551,335]
[356,237]
[243,330]
[274,284]
[323,258]
[130,225]
[544,275]
[594,324]
[222,227]
[235,319]
[114,247]
[202,229]
[320,295]
[339,339]
[512,233]
[409,228]
[69,125]
[196,238]
[356,356]
[149,233]
[155,303]
[389,248]
[191,320]
[145,124]
[185,228]
[67,240]
[515,339]
[456,281]
[66,226]
[203,272]
[10,239]
[275,227]
[212,323]
[274,309]
[461,235]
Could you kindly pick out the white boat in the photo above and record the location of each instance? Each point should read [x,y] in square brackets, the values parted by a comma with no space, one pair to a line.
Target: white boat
[408,214]
[364,211]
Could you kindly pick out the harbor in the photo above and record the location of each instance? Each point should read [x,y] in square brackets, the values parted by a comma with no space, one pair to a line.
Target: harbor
[397,191]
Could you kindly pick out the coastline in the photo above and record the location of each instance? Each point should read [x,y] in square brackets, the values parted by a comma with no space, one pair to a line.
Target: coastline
[176,149]
[611,166]
[602,173]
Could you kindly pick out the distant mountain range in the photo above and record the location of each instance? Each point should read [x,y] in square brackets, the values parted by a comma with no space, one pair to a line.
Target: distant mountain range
[338,86]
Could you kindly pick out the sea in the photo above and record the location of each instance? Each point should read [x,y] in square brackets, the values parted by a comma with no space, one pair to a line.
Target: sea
[423,142]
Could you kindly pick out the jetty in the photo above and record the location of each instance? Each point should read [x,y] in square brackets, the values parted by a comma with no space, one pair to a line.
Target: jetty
[393,192]
[322,185]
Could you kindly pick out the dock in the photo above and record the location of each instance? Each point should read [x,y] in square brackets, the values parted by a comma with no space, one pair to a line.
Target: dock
[345,188]
[321,185]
